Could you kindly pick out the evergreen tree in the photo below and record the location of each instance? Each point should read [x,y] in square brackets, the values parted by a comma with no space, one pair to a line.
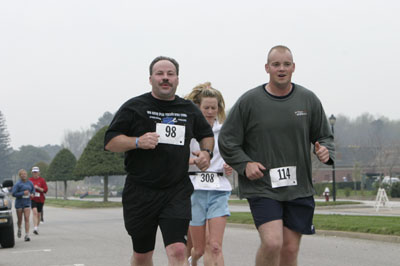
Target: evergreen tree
[5,150]
[26,157]
[95,161]
[62,168]
[43,166]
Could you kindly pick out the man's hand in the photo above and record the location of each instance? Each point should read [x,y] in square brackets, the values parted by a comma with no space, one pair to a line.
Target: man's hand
[148,141]
[26,192]
[254,170]
[203,159]
[321,152]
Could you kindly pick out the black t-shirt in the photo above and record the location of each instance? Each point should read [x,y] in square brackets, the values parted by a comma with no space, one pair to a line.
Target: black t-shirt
[167,164]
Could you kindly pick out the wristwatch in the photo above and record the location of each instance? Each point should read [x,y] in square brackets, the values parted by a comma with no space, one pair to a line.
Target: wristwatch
[209,152]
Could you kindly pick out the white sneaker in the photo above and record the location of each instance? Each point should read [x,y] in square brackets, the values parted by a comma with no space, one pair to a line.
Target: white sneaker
[190,261]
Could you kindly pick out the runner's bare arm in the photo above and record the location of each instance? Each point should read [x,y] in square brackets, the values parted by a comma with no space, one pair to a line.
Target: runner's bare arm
[207,143]
[122,143]
[203,159]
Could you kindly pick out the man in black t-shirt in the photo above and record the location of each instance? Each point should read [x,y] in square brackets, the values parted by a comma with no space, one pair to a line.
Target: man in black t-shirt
[154,130]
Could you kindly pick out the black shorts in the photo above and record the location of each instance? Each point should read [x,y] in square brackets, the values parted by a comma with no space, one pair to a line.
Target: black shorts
[297,214]
[37,205]
[145,209]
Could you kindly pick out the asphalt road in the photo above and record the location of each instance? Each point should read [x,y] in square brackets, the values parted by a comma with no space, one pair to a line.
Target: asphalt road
[97,237]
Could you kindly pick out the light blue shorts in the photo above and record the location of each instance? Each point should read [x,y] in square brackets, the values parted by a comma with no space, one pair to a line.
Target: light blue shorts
[208,204]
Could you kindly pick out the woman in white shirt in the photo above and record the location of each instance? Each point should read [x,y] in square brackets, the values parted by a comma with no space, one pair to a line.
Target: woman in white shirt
[212,188]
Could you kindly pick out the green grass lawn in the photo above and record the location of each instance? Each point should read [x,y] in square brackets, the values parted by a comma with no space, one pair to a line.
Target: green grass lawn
[363,224]
[335,203]
[342,193]
[81,203]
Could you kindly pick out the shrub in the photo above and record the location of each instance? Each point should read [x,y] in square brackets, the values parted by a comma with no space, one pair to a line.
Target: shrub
[320,188]
[395,190]
[347,191]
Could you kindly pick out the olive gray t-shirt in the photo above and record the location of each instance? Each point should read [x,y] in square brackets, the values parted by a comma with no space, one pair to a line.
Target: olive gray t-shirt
[276,132]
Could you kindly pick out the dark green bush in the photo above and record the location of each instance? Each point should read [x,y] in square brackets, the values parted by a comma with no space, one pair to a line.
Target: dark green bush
[347,191]
[395,190]
[320,188]
[344,185]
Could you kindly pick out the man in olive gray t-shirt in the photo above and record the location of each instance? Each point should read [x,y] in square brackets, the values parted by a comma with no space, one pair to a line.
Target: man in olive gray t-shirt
[267,139]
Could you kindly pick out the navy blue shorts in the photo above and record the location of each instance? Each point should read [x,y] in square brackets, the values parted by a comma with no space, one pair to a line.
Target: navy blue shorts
[22,203]
[297,214]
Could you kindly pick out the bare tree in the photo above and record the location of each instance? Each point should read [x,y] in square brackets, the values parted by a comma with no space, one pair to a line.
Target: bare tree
[103,121]
[76,141]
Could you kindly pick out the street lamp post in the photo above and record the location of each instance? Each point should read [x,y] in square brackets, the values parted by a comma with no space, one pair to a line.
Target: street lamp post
[332,121]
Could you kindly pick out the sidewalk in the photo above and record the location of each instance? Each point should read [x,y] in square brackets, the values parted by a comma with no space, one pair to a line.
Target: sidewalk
[366,208]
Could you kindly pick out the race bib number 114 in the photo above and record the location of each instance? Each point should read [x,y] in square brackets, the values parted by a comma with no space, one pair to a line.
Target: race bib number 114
[283,176]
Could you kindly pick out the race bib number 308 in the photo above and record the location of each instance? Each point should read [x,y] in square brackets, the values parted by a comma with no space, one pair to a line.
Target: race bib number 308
[283,176]
[207,180]
[171,134]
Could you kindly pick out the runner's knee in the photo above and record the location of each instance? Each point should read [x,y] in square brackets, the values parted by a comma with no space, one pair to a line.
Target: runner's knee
[272,246]
[177,251]
[141,258]
[198,251]
[215,247]
[290,249]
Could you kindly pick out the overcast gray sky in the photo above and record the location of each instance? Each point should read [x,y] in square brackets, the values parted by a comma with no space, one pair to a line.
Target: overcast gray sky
[64,63]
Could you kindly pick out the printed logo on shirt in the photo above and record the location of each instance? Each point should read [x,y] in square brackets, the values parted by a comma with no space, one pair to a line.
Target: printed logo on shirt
[169,120]
[300,113]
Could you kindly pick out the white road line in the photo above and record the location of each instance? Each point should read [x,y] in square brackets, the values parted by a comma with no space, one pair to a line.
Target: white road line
[69,265]
[33,250]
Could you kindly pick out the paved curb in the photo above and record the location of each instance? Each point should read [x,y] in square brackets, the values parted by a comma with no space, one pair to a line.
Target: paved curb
[347,206]
[375,237]
[356,235]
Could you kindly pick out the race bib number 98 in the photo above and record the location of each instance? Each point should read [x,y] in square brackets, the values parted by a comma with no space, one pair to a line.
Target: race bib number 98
[171,134]
[283,176]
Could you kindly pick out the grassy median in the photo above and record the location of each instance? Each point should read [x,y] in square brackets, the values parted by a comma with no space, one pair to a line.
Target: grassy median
[81,203]
[349,223]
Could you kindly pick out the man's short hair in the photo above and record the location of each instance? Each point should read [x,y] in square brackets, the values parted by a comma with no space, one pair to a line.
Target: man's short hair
[278,47]
[159,58]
